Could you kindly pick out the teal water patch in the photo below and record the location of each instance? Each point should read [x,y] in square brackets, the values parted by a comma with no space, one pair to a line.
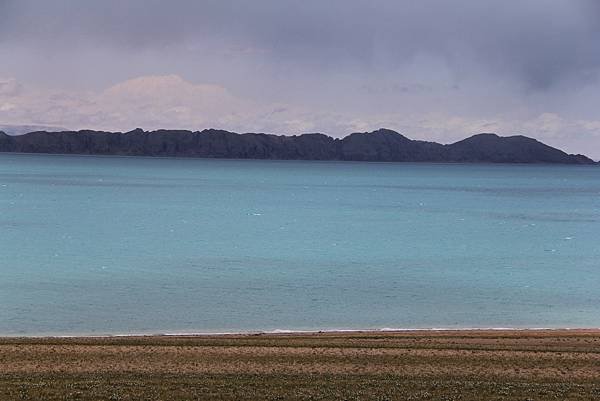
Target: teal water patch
[100,245]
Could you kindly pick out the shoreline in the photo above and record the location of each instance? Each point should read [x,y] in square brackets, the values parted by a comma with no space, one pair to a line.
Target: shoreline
[451,163]
[316,332]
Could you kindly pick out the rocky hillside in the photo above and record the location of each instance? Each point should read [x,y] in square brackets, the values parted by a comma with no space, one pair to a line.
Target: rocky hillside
[380,145]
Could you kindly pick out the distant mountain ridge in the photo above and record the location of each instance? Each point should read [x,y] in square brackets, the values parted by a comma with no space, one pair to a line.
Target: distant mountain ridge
[382,145]
[12,129]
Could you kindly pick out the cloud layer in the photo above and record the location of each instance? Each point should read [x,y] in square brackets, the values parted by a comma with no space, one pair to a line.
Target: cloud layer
[433,69]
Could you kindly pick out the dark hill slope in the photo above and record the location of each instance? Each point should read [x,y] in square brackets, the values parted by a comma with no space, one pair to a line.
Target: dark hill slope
[380,145]
[512,149]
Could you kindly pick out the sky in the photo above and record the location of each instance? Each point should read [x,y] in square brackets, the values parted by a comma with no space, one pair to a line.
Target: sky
[430,69]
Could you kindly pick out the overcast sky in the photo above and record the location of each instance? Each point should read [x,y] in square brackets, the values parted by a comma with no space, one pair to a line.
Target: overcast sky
[431,69]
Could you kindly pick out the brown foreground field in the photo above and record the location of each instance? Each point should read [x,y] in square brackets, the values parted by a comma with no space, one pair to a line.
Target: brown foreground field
[439,365]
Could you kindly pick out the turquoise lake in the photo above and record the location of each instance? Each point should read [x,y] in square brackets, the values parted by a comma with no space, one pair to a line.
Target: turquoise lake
[116,245]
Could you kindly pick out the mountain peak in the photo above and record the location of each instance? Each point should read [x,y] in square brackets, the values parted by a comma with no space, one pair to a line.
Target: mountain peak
[385,131]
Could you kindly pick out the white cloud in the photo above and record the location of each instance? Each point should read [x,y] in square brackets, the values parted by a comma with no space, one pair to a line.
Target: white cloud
[147,102]
[169,102]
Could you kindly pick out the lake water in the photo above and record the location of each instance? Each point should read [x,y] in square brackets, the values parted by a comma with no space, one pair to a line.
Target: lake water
[109,245]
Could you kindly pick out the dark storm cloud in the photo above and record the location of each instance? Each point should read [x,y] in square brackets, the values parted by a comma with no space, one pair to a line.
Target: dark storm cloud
[537,42]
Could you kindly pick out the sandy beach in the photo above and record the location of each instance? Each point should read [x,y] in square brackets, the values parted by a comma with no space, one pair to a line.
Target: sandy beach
[416,365]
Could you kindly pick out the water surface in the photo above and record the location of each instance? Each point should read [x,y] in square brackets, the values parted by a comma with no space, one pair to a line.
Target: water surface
[98,245]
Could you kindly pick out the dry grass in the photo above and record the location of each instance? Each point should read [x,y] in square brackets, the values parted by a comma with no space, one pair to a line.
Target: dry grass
[473,365]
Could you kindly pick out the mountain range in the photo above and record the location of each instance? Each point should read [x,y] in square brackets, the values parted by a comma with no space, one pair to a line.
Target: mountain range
[382,145]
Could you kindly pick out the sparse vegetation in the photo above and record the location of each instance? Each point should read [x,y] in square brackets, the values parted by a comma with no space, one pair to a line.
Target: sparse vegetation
[480,365]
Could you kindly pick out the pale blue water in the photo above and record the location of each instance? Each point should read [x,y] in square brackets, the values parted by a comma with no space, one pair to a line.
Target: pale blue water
[97,245]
